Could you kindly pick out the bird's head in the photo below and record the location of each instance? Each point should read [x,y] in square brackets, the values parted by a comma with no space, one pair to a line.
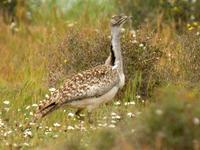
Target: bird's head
[119,20]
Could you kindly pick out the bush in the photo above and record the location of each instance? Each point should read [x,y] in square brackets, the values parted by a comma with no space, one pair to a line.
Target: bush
[171,123]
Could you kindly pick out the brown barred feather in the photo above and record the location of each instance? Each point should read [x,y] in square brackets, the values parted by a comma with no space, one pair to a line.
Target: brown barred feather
[87,84]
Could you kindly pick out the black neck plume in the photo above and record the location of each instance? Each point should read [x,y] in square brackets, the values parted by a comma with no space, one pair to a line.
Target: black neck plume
[112,60]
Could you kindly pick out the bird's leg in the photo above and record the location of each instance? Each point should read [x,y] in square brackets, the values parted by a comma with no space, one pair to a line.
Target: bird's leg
[78,113]
[89,117]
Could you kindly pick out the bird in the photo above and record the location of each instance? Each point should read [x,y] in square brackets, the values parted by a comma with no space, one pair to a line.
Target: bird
[90,88]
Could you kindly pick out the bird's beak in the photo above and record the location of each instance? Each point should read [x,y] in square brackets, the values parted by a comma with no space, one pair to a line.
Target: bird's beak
[130,17]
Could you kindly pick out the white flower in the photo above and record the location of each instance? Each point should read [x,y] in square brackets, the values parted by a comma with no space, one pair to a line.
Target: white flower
[198,33]
[192,17]
[129,103]
[56,124]
[104,118]
[96,30]
[6,102]
[117,103]
[132,130]
[126,103]
[133,33]
[93,128]
[134,41]
[70,25]
[113,114]
[20,125]
[32,123]
[141,45]
[194,1]
[159,112]
[116,117]
[1,124]
[52,89]
[7,143]
[70,114]
[27,132]
[13,25]
[132,103]
[47,96]
[55,136]
[82,115]
[26,144]
[122,30]
[15,145]
[70,128]
[34,105]
[9,132]
[138,96]
[99,124]
[102,125]
[111,126]
[196,121]
[76,126]
[46,132]
[27,107]
[31,113]
[113,121]
[130,114]
[50,129]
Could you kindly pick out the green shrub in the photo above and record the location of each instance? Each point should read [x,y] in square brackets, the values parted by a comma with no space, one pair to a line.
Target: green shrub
[173,122]
[106,139]
[191,57]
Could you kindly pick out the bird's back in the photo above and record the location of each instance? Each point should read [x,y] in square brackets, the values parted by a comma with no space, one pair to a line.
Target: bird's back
[91,83]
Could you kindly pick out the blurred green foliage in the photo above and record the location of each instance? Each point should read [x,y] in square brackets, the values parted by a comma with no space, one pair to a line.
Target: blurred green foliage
[172,122]
[179,11]
[146,10]
[8,10]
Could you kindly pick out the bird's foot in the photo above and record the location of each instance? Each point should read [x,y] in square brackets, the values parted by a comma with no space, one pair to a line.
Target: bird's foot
[78,115]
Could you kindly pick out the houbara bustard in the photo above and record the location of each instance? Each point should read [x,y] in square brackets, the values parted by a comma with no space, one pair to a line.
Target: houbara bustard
[90,88]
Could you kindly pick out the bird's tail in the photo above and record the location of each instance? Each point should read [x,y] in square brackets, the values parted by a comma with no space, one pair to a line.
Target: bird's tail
[45,110]
[48,105]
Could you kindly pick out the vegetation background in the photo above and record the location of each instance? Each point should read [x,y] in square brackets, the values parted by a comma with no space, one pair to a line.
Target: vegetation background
[42,42]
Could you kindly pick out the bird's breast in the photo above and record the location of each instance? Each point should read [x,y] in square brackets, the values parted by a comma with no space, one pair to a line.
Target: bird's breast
[121,80]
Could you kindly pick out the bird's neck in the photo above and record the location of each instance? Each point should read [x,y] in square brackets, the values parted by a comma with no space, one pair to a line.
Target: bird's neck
[116,56]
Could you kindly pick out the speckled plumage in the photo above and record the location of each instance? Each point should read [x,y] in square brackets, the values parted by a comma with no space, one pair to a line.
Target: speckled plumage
[92,87]
[87,84]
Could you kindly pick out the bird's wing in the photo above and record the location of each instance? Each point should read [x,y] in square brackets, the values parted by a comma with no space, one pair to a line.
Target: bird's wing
[90,83]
